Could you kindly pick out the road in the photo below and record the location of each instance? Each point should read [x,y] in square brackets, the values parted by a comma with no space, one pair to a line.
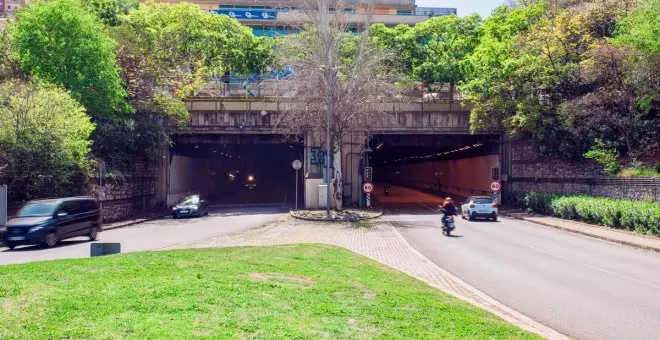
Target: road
[152,235]
[580,286]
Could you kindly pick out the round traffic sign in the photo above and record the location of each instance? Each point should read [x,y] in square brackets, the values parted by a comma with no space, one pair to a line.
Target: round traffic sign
[297,164]
[495,186]
[368,187]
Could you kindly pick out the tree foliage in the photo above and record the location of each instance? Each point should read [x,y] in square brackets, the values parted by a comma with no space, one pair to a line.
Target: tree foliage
[44,141]
[434,50]
[335,75]
[59,42]
[110,11]
[567,73]
[167,53]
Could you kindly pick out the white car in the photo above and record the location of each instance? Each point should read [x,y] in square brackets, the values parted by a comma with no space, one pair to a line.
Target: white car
[479,207]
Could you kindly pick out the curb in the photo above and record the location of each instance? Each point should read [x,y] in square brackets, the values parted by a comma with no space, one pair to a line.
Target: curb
[600,237]
[128,224]
[310,219]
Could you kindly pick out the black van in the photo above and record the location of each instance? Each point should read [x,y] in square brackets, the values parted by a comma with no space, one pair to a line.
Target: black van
[49,221]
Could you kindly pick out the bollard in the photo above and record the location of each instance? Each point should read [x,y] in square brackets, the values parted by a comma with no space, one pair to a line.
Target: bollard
[100,249]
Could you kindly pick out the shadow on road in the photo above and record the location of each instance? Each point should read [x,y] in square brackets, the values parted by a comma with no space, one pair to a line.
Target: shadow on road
[36,247]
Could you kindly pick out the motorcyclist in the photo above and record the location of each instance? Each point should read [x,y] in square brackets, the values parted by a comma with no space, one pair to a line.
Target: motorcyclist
[448,209]
[387,188]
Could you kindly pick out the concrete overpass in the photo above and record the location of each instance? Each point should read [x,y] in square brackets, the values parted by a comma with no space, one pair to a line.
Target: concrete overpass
[406,134]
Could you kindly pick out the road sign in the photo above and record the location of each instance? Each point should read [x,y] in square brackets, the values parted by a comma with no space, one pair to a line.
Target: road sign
[495,195]
[495,186]
[297,164]
[368,187]
[368,200]
[495,173]
[368,174]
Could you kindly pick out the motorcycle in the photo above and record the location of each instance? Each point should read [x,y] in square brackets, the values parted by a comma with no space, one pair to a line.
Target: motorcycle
[448,226]
[387,192]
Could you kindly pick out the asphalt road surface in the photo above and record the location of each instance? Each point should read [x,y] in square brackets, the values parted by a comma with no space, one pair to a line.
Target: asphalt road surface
[580,286]
[152,235]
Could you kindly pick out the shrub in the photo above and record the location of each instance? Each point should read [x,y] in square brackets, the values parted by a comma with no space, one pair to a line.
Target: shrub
[643,217]
[606,155]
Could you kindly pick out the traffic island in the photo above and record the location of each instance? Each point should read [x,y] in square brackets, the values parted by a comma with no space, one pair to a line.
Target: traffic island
[295,291]
[348,215]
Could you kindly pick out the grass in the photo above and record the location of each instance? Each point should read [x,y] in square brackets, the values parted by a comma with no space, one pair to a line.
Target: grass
[301,291]
[638,172]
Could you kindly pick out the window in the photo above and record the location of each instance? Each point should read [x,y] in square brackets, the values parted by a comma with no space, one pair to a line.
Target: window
[37,210]
[482,200]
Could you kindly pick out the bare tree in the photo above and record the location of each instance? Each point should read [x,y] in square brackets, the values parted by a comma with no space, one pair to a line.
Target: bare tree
[339,79]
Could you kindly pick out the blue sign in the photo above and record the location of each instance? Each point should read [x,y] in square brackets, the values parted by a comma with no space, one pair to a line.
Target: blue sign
[247,14]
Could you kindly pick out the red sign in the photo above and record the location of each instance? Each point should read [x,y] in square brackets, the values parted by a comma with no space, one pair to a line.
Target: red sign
[368,187]
[495,186]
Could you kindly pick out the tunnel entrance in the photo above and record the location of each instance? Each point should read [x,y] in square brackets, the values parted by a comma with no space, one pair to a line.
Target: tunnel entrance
[235,169]
[459,165]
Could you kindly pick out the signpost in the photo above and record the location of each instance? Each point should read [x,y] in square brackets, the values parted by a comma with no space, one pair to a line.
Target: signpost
[3,205]
[495,187]
[296,165]
[368,188]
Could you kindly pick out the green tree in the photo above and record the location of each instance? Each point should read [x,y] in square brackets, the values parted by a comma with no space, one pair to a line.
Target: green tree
[59,42]
[641,28]
[434,50]
[44,141]
[490,86]
[167,53]
[110,11]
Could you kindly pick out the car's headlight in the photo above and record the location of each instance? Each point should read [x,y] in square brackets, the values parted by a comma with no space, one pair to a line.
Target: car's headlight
[194,208]
[174,208]
[34,229]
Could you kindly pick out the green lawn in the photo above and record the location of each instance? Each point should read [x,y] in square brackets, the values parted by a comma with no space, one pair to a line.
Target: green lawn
[303,291]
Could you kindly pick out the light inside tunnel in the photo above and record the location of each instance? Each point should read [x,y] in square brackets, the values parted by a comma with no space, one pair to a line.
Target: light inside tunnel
[438,154]
[457,165]
[242,159]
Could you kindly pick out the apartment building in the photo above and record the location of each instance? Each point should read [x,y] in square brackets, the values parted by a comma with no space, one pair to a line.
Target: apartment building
[9,7]
[275,17]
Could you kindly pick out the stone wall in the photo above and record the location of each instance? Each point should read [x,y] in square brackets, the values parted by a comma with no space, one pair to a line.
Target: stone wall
[530,171]
[136,192]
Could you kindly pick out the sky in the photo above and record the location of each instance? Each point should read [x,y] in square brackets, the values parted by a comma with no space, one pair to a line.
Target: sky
[465,7]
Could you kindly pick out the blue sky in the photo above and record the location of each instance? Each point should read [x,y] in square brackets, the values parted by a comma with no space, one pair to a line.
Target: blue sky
[465,7]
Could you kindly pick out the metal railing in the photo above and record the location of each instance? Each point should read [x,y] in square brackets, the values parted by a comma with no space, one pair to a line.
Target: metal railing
[434,11]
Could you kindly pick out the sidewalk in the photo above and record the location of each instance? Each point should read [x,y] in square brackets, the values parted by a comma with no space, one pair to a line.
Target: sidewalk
[378,240]
[603,233]
[141,218]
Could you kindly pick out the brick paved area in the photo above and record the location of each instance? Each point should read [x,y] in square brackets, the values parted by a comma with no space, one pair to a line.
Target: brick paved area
[380,241]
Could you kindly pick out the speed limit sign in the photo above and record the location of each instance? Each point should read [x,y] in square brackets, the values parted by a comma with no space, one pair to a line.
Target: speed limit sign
[368,187]
[495,186]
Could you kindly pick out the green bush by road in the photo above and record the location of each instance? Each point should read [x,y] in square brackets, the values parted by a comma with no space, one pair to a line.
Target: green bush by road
[303,291]
[640,216]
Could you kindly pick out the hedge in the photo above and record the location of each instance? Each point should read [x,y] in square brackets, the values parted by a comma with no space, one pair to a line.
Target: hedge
[640,216]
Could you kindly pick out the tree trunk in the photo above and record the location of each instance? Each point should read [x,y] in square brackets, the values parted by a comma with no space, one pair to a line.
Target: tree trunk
[339,180]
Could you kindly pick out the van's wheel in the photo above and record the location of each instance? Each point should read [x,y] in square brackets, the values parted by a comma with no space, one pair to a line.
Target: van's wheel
[470,217]
[11,246]
[93,233]
[51,240]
